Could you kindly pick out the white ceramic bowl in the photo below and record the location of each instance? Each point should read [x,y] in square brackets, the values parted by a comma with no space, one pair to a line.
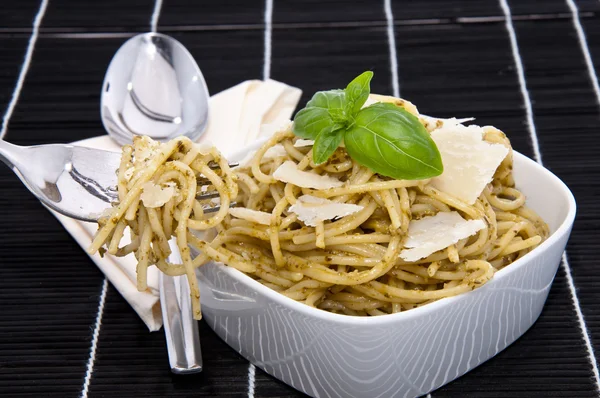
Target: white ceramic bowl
[402,355]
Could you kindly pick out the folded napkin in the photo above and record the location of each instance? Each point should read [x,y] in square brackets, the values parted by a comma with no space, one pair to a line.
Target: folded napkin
[236,115]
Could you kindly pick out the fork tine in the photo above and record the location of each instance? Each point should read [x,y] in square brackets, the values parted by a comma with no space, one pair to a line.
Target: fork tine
[217,208]
[201,181]
[215,166]
[209,195]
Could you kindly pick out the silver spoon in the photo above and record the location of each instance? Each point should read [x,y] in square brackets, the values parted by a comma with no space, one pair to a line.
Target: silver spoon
[154,87]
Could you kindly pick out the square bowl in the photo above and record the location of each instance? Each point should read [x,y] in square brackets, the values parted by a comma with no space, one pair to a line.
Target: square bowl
[406,354]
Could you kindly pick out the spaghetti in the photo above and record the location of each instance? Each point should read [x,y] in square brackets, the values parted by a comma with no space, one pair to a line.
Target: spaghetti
[158,186]
[350,264]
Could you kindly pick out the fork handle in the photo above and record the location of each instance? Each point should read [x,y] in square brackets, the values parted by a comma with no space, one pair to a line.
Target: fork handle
[181,330]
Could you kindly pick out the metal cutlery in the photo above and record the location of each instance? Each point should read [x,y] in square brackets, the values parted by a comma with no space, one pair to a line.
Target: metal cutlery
[153,86]
[75,181]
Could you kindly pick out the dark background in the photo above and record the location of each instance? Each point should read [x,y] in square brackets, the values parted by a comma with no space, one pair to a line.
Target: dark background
[454,59]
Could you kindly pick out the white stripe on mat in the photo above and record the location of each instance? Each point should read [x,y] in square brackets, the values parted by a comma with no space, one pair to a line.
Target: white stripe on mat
[584,48]
[268,31]
[268,19]
[389,16]
[95,335]
[522,83]
[581,321]
[24,68]
[251,380]
[155,15]
[565,263]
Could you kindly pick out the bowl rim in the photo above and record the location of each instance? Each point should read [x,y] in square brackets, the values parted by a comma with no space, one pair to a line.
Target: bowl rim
[350,320]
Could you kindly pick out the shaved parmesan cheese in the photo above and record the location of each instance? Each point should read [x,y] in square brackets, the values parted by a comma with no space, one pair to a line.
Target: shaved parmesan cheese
[154,195]
[469,162]
[259,217]
[402,103]
[145,149]
[276,151]
[430,234]
[302,143]
[455,121]
[432,123]
[311,210]
[288,172]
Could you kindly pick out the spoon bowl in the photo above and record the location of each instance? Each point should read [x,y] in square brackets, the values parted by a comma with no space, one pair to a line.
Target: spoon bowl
[154,87]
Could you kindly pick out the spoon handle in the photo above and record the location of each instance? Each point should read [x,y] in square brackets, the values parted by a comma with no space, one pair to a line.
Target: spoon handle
[181,330]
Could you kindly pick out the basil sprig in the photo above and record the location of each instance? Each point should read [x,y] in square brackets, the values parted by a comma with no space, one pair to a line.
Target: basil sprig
[383,137]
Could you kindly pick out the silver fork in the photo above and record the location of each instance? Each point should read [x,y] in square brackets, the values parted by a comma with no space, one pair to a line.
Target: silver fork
[80,183]
[75,181]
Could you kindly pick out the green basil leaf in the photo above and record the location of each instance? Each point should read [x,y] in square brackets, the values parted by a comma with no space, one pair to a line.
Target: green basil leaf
[393,143]
[357,92]
[326,143]
[338,116]
[331,99]
[310,122]
[323,112]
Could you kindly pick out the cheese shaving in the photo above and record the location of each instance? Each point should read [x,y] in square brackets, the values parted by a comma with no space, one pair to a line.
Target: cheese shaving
[432,123]
[276,151]
[289,173]
[469,161]
[431,234]
[144,149]
[402,103]
[302,143]
[311,210]
[154,195]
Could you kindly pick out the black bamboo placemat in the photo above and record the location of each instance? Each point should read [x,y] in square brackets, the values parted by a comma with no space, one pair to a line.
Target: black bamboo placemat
[454,57]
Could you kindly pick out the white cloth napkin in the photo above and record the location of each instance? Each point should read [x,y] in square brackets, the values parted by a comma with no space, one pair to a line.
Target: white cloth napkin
[236,115]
